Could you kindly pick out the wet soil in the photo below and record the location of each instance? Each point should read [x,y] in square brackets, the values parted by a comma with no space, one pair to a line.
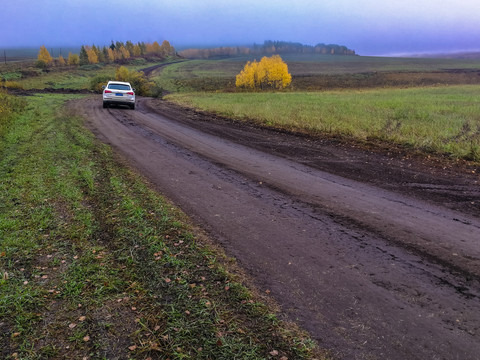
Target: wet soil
[374,249]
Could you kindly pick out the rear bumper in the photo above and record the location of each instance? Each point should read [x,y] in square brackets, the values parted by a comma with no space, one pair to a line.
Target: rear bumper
[117,102]
[126,100]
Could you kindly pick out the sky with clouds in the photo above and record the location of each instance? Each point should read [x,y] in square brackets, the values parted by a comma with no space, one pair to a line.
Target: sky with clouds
[370,27]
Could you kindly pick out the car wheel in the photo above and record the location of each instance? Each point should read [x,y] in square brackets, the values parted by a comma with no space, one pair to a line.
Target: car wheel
[132,107]
[105,105]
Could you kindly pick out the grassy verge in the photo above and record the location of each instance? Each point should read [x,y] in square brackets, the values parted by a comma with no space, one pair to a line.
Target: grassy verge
[95,265]
[438,119]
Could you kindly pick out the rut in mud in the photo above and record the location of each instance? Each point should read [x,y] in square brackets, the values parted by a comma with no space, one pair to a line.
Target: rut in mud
[375,253]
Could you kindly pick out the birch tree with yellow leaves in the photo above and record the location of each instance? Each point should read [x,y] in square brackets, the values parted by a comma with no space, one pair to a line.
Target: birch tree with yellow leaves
[44,56]
[91,55]
[269,73]
[61,61]
[73,59]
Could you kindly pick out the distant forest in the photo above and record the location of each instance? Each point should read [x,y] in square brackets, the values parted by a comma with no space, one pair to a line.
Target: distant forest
[269,47]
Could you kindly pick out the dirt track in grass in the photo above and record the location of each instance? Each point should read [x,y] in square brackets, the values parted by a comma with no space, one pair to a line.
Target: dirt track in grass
[375,251]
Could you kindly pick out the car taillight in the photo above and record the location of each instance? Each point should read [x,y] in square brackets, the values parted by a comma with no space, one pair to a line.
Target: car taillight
[108,92]
[130,93]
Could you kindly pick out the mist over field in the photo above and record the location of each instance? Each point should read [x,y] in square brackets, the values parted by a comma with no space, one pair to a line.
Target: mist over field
[369,27]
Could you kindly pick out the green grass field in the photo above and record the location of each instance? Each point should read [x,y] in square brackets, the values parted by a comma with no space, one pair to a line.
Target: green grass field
[94,264]
[439,119]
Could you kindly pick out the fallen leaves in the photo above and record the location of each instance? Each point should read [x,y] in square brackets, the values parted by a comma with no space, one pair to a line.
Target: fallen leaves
[276,353]
[155,347]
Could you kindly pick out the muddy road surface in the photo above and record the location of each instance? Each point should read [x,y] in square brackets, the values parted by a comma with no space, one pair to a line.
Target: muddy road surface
[375,252]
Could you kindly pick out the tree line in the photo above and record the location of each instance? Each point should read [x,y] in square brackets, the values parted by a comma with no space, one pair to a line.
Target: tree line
[117,52]
[268,48]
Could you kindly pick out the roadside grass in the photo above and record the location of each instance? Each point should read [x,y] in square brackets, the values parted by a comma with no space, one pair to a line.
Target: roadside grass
[433,119]
[94,264]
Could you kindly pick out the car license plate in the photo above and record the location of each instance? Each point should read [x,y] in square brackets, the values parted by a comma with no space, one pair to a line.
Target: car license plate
[118,94]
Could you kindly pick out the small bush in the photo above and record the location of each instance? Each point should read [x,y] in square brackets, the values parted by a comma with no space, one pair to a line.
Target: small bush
[41,64]
[156,91]
[137,79]
[98,81]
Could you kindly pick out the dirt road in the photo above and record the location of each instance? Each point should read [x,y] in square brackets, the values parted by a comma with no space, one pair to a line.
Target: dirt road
[375,253]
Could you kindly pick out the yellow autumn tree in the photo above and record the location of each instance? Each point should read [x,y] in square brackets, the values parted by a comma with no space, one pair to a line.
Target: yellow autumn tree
[166,49]
[124,52]
[73,59]
[92,55]
[118,54]
[44,55]
[274,72]
[137,51]
[154,48]
[269,73]
[61,61]
[248,77]
[111,55]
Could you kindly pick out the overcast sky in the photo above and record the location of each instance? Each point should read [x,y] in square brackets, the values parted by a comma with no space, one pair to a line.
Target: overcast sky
[370,27]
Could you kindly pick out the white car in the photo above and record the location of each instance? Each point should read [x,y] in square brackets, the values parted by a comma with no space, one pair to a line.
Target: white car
[120,93]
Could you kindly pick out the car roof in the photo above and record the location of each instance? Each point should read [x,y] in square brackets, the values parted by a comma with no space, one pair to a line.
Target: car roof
[119,82]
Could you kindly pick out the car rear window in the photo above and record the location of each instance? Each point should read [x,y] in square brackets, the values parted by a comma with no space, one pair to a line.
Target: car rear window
[118,87]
